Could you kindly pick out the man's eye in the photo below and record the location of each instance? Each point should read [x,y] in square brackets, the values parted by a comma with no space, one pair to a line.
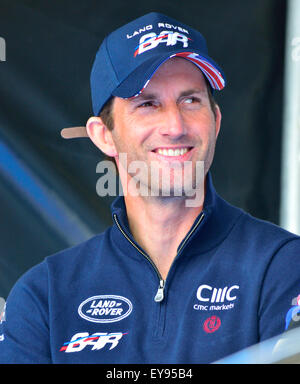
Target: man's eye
[191,100]
[146,104]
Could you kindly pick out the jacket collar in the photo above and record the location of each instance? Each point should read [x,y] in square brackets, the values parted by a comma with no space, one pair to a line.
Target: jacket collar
[218,220]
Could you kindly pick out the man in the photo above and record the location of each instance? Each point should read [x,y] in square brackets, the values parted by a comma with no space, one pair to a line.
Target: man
[169,282]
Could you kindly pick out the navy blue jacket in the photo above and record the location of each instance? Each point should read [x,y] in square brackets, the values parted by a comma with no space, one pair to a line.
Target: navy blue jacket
[230,286]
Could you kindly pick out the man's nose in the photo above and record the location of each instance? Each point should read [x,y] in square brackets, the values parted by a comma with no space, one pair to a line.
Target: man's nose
[172,123]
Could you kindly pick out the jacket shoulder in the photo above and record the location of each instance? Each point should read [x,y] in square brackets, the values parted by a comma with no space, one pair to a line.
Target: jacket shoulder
[265,230]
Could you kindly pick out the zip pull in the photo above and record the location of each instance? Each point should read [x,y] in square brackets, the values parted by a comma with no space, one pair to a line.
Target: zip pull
[160,292]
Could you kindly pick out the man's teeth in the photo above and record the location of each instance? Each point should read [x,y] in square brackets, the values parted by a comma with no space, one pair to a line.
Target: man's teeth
[172,152]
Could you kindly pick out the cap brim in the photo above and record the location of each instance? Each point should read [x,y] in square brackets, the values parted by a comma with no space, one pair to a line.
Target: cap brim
[136,82]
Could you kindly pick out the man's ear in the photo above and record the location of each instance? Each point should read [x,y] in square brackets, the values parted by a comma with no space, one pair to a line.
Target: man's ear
[101,136]
[218,120]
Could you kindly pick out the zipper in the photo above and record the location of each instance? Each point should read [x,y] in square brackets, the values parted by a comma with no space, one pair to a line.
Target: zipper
[160,291]
[190,234]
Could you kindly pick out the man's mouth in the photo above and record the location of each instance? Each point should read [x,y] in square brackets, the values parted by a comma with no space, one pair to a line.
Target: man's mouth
[172,152]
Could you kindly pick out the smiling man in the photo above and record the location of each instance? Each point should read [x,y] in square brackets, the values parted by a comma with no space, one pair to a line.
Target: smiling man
[168,282]
[170,123]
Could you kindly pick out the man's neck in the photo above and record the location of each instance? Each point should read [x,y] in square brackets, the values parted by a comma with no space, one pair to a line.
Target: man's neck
[159,226]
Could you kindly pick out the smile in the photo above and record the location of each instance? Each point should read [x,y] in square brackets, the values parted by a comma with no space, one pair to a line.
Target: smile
[171,152]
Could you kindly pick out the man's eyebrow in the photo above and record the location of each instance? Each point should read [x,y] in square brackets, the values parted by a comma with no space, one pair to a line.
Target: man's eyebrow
[192,91]
[150,96]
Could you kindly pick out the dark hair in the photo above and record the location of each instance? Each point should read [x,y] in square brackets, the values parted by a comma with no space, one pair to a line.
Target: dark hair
[106,113]
[212,101]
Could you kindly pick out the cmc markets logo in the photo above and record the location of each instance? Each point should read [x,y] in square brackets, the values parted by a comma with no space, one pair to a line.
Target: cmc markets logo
[212,298]
[105,308]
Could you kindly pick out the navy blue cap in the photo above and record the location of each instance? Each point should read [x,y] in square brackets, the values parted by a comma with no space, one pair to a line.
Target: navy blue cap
[129,56]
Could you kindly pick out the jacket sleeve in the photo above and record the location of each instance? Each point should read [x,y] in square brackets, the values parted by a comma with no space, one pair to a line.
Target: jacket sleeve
[280,289]
[24,327]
